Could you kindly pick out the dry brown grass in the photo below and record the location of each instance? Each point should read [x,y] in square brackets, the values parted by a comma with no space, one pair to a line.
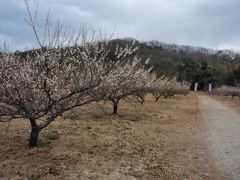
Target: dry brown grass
[164,140]
[229,101]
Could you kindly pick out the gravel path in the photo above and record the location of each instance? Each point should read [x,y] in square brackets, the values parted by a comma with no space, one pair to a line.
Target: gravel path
[224,126]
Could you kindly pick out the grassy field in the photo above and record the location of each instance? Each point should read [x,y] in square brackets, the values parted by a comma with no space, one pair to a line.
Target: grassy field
[163,140]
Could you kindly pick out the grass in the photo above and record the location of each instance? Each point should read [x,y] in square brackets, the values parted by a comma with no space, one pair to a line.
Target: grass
[156,141]
[93,135]
[47,137]
[232,103]
[52,136]
[44,143]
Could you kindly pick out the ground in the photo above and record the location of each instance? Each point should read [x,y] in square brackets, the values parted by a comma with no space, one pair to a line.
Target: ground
[163,140]
[223,121]
[233,103]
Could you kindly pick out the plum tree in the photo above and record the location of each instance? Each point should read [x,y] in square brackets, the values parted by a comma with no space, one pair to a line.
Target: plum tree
[62,74]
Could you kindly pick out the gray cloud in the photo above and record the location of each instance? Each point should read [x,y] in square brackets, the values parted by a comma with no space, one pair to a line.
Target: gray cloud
[205,23]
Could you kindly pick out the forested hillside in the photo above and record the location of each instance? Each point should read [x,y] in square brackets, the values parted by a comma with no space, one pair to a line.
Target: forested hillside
[186,63]
[192,64]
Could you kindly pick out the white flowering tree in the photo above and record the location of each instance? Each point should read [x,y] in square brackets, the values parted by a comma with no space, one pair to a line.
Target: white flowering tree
[165,87]
[158,87]
[151,81]
[140,95]
[40,85]
[228,91]
[129,78]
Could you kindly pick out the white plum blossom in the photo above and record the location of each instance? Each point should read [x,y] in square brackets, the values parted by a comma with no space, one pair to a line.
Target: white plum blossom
[168,87]
[228,91]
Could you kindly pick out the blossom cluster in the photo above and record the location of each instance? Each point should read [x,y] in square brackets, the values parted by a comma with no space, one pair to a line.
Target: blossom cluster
[228,91]
[168,87]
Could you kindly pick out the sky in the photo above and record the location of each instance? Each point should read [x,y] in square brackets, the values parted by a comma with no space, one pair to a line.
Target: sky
[206,23]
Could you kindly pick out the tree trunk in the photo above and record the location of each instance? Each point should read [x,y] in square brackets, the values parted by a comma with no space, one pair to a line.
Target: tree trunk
[115,106]
[34,134]
[142,101]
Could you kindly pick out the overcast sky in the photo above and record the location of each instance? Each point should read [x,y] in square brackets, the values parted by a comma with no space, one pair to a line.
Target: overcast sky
[207,23]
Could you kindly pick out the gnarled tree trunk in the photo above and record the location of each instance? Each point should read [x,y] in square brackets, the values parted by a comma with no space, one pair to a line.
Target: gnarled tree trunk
[115,106]
[142,100]
[34,133]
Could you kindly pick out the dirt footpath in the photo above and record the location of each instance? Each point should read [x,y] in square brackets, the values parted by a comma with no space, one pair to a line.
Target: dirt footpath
[224,126]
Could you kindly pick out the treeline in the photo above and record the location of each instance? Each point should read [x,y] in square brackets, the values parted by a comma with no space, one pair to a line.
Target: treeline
[186,63]
[192,64]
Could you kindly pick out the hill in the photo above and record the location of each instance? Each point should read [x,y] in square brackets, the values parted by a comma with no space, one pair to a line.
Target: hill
[187,63]
[192,64]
